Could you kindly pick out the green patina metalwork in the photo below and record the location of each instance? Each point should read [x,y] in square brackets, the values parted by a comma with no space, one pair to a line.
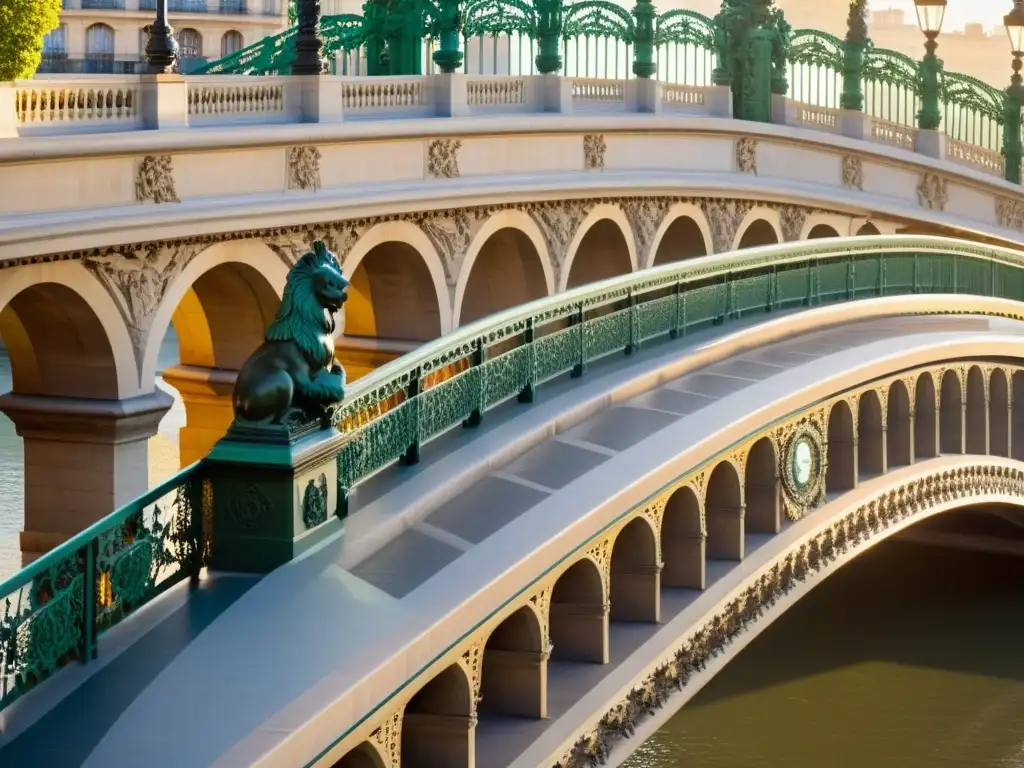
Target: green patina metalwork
[853,56]
[314,502]
[1012,144]
[392,412]
[53,611]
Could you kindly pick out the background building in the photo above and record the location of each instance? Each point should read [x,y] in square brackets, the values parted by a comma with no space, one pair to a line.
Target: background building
[108,36]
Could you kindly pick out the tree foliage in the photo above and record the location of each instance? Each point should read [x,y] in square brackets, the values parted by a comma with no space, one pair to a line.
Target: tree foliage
[856,23]
[23,24]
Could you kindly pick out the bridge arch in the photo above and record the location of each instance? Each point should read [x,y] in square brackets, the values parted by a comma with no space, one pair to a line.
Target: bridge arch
[684,233]
[841,450]
[363,756]
[926,435]
[439,721]
[870,432]
[899,423]
[951,413]
[683,538]
[405,243]
[65,335]
[220,305]
[820,224]
[578,616]
[635,593]
[607,233]
[509,248]
[999,405]
[514,666]
[761,488]
[975,416]
[761,226]
[724,512]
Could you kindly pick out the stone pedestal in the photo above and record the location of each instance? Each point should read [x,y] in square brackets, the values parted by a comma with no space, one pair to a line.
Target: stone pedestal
[931,144]
[855,124]
[8,118]
[449,94]
[556,93]
[163,102]
[718,101]
[314,98]
[206,393]
[83,460]
[645,95]
[274,495]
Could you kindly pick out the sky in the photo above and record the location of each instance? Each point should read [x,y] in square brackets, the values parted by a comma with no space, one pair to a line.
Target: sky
[959,12]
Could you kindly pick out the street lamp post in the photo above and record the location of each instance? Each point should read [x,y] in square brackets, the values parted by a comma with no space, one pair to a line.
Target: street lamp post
[161,48]
[1012,150]
[930,14]
[307,39]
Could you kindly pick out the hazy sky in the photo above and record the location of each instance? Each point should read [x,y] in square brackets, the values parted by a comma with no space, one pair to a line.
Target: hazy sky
[958,12]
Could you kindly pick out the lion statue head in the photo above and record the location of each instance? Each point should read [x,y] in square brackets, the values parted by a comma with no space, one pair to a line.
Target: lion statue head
[314,292]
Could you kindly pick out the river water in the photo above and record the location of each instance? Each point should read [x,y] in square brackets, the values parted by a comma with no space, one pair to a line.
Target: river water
[163,456]
[908,657]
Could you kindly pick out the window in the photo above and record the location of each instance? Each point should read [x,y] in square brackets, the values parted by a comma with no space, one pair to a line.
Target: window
[53,43]
[99,42]
[231,42]
[190,44]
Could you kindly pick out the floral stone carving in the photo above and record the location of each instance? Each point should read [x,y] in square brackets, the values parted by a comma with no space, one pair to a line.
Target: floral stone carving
[593,151]
[292,378]
[1010,213]
[853,172]
[304,168]
[933,192]
[443,158]
[314,502]
[746,155]
[154,180]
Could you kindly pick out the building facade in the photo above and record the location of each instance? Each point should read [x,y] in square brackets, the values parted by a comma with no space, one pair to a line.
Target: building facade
[109,36]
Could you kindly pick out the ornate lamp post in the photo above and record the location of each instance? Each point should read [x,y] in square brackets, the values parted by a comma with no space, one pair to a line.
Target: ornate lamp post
[1012,150]
[449,57]
[161,48]
[643,44]
[307,38]
[853,56]
[930,14]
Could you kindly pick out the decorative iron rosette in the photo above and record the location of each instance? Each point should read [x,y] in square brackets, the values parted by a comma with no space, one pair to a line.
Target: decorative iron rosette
[803,470]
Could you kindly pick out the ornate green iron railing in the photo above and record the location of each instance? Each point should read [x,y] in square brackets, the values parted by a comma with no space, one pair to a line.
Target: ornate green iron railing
[53,611]
[456,379]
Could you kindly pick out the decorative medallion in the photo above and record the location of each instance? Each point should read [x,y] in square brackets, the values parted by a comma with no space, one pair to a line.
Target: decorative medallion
[304,168]
[154,180]
[443,158]
[314,502]
[853,172]
[932,192]
[249,505]
[803,475]
[746,155]
[593,151]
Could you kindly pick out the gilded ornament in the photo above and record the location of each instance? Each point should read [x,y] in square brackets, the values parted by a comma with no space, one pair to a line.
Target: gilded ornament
[746,155]
[933,191]
[443,158]
[304,168]
[154,180]
[853,172]
[593,151]
[292,378]
[803,467]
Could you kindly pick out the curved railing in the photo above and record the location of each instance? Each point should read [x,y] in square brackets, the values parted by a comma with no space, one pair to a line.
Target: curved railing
[53,611]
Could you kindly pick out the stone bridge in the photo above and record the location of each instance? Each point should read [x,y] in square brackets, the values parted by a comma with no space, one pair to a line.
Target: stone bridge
[532,539]
[183,201]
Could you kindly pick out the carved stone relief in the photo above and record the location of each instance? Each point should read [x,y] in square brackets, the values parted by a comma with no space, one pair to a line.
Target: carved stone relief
[1010,213]
[645,215]
[443,158]
[137,281]
[932,191]
[853,172]
[791,220]
[154,180]
[724,218]
[472,660]
[746,155]
[304,168]
[559,222]
[388,740]
[593,151]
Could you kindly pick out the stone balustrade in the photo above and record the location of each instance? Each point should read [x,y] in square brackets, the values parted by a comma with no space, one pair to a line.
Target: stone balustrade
[71,104]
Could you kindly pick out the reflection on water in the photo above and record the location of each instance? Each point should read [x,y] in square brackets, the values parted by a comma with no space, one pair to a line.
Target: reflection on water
[163,456]
[909,656]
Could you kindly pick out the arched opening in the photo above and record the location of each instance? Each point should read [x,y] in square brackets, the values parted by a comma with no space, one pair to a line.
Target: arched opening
[99,49]
[868,229]
[1017,424]
[724,514]
[636,583]
[761,489]
[976,437]
[507,272]
[951,411]
[819,231]
[231,42]
[842,456]
[998,413]
[682,240]
[190,49]
[439,723]
[871,438]
[898,427]
[392,308]
[602,253]
[926,439]
[682,541]
[757,234]
[363,756]
[219,321]
[515,668]
[579,616]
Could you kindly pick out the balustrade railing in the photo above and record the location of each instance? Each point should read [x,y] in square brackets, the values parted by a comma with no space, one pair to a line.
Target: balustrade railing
[53,611]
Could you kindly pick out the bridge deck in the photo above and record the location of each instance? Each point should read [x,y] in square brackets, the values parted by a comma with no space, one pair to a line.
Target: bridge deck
[246,663]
